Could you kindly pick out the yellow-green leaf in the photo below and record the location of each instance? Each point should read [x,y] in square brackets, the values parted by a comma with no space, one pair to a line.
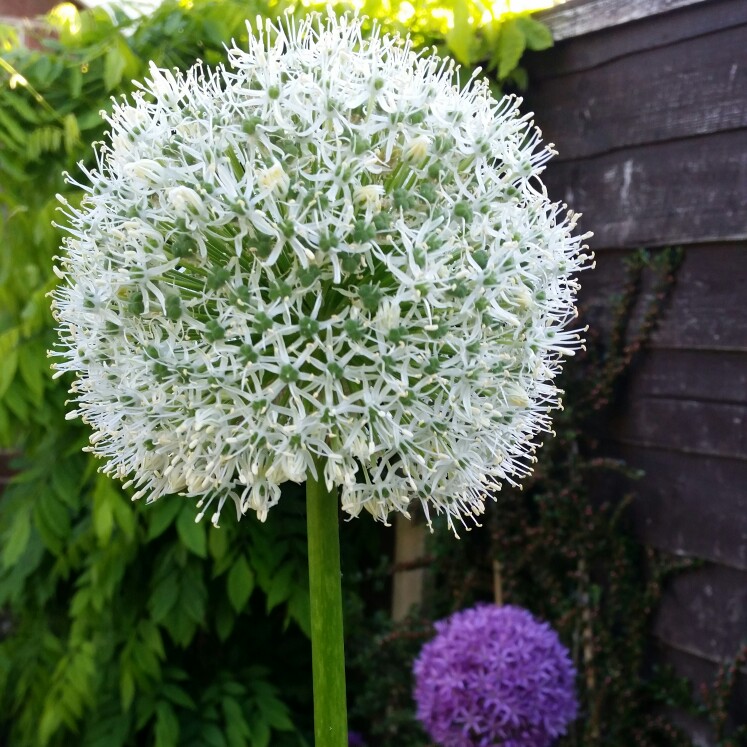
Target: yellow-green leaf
[8,358]
[114,65]
[103,509]
[461,35]
[537,35]
[511,45]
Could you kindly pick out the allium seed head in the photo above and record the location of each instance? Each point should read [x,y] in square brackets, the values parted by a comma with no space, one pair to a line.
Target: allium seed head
[325,249]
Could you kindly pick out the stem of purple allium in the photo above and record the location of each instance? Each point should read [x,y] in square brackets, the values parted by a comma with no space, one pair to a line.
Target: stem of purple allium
[327,650]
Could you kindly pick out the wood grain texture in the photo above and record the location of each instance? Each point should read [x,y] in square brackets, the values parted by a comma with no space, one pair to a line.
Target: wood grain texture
[680,192]
[706,309]
[584,16]
[694,87]
[684,426]
[705,375]
[591,50]
[688,505]
[713,600]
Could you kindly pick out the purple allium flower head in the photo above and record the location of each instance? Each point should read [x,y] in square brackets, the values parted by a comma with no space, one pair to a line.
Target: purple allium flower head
[494,677]
[355,739]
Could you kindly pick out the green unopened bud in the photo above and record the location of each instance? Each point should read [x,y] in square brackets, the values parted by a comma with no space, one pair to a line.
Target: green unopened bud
[397,335]
[214,331]
[136,304]
[459,289]
[183,246]
[262,245]
[308,275]
[308,327]
[433,367]
[382,221]
[359,145]
[248,353]
[351,263]
[481,257]
[327,242]
[288,227]
[363,232]
[434,171]
[428,192]
[335,370]
[370,296]
[262,322]
[288,373]
[218,278]
[280,290]
[463,210]
[402,199]
[354,329]
[242,296]
[161,371]
[173,307]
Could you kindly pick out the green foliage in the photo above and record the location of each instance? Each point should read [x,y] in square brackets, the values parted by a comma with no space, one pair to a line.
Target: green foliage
[126,623]
[468,30]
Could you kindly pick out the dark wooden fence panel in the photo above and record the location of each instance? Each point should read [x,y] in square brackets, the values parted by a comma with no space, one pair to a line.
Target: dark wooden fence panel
[650,121]
[713,599]
[706,311]
[694,87]
[684,426]
[618,41]
[681,191]
[690,505]
[704,375]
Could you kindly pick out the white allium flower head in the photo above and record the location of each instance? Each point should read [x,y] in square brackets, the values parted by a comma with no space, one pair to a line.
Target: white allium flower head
[326,249]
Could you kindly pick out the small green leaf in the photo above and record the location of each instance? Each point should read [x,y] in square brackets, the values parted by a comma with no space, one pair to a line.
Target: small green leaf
[161,515]
[511,45]
[126,687]
[18,536]
[212,736]
[225,618]
[218,543]
[191,532]
[164,597]
[103,509]
[167,726]
[461,35]
[280,587]
[178,696]
[114,66]
[71,132]
[260,733]
[240,584]
[8,358]
[538,36]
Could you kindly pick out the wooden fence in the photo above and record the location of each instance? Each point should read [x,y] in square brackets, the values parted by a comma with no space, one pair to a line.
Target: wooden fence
[650,120]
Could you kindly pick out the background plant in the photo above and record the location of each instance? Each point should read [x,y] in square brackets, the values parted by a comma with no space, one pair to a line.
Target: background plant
[123,624]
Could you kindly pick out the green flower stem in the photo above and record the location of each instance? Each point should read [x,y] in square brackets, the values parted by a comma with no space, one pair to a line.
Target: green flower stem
[327,650]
